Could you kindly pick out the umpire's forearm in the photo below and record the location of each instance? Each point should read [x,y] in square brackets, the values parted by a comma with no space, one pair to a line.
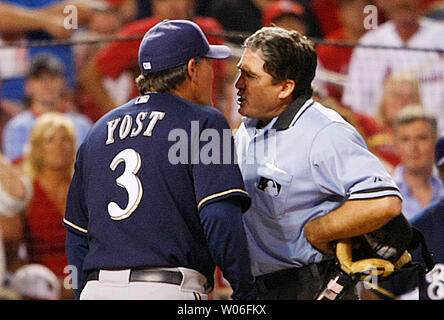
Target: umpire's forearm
[353,218]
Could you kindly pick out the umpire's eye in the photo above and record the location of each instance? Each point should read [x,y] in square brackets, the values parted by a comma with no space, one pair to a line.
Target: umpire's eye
[249,75]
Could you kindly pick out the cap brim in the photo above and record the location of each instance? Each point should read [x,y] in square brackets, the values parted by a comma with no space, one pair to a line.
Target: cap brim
[218,52]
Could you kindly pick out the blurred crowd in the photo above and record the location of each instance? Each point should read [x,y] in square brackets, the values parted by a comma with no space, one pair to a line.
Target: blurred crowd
[51,95]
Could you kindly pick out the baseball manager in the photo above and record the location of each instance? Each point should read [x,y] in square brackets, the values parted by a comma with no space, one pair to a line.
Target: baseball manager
[141,226]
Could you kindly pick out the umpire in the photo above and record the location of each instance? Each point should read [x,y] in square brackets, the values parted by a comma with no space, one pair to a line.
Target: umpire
[327,185]
[140,224]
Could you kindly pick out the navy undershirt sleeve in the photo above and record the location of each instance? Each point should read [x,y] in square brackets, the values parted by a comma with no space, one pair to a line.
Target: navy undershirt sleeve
[223,227]
[76,250]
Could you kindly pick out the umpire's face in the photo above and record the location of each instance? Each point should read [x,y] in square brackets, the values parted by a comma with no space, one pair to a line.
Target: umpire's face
[259,97]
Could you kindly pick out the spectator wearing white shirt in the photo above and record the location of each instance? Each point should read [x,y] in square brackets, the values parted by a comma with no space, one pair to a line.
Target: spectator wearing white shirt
[370,67]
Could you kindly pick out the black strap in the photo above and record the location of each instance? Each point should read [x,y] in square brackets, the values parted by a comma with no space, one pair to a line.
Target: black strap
[313,272]
[419,240]
[421,283]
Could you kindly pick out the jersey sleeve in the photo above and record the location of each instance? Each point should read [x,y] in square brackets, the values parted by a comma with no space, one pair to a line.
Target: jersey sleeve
[76,216]
[227,242]
[342,165]
[217,175]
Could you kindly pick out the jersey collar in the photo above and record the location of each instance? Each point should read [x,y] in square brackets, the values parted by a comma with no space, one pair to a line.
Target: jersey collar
[287,118]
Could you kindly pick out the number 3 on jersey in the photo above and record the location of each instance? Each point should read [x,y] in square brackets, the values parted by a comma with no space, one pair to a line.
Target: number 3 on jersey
[129,181]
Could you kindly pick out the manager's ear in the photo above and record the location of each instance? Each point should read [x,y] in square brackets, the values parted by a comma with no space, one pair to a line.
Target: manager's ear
[287,88]
[191,68]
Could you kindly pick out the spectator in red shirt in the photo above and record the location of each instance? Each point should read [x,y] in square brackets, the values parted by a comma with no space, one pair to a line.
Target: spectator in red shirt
[286,14]
[120,56]
[127,9]
[337,58]
[326,12]
[49,163]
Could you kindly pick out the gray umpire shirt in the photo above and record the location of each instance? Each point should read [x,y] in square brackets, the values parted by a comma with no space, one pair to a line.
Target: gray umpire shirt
[302,165]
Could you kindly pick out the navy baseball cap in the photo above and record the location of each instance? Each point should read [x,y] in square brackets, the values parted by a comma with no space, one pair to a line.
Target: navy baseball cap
[439,152]
[172,43]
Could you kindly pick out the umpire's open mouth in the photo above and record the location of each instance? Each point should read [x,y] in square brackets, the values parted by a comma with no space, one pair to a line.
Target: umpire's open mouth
[240,99]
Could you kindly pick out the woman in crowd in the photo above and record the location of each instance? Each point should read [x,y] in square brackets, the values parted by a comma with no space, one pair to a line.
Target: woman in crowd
[49,162]
[400,90]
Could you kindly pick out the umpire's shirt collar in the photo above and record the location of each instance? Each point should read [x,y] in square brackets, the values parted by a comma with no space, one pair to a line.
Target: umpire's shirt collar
[287,118]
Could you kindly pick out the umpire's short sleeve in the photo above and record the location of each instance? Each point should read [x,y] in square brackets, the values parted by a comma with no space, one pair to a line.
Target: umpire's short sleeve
[217,175]
[76,217]
[342,165]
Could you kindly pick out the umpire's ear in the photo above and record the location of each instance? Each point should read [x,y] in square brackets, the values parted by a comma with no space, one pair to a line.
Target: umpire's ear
[287,88]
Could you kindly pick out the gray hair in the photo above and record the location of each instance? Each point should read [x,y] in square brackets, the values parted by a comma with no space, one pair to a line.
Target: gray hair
[163,81]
